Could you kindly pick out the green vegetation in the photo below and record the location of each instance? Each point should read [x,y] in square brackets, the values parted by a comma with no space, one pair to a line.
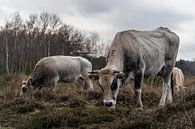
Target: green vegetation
[67,107]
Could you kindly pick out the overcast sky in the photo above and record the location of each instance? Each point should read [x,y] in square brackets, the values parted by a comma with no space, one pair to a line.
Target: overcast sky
[108,17]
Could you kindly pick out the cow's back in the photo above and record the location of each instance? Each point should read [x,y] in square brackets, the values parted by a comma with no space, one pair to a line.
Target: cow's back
[85,64]
[153,46]
[67,67]
[63,66]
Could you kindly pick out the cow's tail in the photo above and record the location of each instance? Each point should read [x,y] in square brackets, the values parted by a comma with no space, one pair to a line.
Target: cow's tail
[172,85]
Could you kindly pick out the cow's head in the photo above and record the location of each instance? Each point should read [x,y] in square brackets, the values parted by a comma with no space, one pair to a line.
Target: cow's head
[26,87]
[110,82]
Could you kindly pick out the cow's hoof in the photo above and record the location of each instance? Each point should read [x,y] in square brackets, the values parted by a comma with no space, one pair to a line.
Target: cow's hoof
[169,100]
[161,105]
[139,109]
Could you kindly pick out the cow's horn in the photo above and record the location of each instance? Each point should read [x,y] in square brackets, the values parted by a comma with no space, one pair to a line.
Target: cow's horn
[94,72]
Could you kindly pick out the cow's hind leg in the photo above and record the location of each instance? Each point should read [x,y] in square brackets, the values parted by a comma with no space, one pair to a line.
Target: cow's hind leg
[167,90]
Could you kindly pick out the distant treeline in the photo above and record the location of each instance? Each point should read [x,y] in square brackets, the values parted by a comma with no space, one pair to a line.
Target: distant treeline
[24,42]
[188,67]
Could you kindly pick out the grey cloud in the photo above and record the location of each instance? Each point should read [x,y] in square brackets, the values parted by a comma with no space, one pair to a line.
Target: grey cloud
[55,6]
[129,14]
[190,47]
[145,19]
[115,15]
[92,7]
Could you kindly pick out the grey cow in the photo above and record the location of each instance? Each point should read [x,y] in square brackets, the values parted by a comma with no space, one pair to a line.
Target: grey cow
[50,70]
[138,54]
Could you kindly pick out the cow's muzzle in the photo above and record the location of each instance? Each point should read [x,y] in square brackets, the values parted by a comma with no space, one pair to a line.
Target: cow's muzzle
[109,103]
[24,89]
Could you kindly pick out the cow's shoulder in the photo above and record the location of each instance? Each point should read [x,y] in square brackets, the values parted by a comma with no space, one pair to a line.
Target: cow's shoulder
[172,36]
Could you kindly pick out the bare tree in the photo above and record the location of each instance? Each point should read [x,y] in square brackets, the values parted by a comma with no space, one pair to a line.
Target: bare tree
[7,53]
[24,43]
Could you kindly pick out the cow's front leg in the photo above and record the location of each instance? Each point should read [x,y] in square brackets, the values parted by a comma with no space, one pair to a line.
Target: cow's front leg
[137,89]
[167,90]
[88,85]
[138,79]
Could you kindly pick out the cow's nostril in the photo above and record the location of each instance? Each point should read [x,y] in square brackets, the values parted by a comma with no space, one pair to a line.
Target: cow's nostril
[108,104]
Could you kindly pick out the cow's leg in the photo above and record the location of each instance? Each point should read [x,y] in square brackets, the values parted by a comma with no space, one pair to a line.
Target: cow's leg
[79,81]
[137,87]
[127,80]
[53,82]
[87,82]
[167,90]
[138,79]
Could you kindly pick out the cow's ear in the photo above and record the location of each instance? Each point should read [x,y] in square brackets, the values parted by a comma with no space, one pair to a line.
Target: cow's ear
[122,75]
[94,76]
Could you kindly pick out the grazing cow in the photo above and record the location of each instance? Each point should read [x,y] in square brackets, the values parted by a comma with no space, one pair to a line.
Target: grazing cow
[50,70]
[138,54]
[178,79]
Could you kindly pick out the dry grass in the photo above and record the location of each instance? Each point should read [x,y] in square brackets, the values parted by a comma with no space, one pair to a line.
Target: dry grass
[67,107]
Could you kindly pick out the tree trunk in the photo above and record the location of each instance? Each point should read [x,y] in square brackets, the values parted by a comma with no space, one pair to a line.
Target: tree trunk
[7,54]
[48,48]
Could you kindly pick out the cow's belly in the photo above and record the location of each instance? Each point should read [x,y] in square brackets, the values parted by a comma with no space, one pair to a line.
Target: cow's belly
[67,79]
[153,68]
[154,61]
[69,74]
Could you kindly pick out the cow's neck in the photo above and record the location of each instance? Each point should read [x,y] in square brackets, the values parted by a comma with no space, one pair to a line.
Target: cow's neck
[115,60]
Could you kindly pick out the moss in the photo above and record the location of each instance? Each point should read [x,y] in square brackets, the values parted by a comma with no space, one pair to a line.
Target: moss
[139,125]
[45,94]
[24,108]
[73,121]
[29,107]
[190,97]
[97,118]
[63,98]
[43,120]
[92,95]
[6,128]
[3,84]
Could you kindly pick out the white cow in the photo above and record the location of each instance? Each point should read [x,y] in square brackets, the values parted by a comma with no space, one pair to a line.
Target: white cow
[178,79]
[141,54]
[50,70]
